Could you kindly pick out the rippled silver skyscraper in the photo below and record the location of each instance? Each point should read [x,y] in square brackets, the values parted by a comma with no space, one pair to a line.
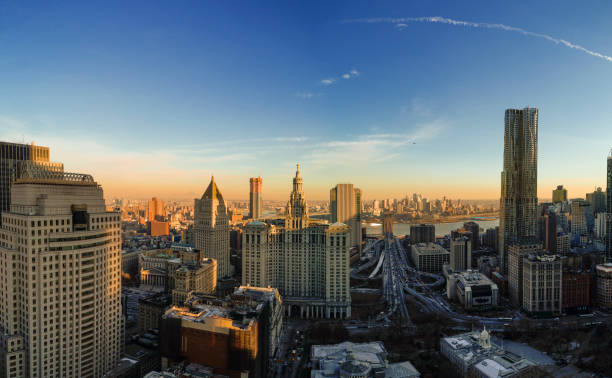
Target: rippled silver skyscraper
[609,211]
[519,181]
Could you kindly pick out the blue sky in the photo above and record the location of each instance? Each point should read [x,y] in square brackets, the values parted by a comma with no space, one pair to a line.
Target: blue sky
[152,97]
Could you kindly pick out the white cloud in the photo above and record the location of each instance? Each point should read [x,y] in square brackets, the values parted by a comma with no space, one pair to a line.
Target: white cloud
[305,95]
[350,74]
[401,24]
[369,148]
[291,139]
[328,81]
[181,171]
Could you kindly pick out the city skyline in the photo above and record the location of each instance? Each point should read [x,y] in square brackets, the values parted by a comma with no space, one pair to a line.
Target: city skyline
[437,199]
[137,101]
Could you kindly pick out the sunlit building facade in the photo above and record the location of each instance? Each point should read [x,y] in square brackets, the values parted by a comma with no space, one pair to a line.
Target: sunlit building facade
[60,302]
[12,158]
[255,198]
[156,210]
[307,260]
[559,195]
[211,229]
[345,207]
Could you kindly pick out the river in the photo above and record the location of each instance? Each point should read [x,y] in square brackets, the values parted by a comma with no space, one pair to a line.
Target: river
[401,229]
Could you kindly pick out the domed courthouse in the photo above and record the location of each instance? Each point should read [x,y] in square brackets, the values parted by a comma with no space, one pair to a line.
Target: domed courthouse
[307,260]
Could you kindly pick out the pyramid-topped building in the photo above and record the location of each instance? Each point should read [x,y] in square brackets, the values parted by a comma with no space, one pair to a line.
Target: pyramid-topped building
[211,228]
[212,192]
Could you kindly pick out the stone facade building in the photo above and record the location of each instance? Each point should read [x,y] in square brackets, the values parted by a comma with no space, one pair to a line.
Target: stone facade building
[542,282]
[237,336]
[211,229]
[307,260]
[60,256]
[429,257]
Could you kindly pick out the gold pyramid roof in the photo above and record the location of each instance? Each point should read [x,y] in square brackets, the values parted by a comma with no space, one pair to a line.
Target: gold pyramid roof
[212,192]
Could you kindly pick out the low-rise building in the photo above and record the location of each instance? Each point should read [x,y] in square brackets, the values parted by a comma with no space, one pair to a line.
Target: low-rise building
[473,290]
[178,270]
[501,282]
[429,257]
[192,277]
[158,228]
[604,285]
[129,265]
[542,284]
[516,254]
[154,267]
[357,360]
[234,336]
[562,243]
[150,311]
[474,355]
[575,291]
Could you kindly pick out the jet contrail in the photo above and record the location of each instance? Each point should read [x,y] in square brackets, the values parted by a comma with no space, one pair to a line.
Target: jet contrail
[401,23]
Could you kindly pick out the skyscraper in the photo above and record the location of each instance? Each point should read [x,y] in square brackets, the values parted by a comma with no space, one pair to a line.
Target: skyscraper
[61,252]
[255,200]
[474,228]
[542,280]
[609,211]
[211,228]
[422,233]
[345,207]
[516,254]
[460,254]
[307,260]
[12,156]
[582,219]
[597,199]
[156,210]
[519,181]
[550,238]
[559,194]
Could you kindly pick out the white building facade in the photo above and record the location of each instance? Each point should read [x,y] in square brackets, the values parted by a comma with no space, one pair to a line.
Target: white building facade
[307,260]
[60,291]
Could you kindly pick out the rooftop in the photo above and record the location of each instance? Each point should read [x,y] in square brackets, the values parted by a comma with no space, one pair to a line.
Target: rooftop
[476,347]
[543,257]
[607,267]
[472,278]
[212,192]
[373,352]
[430,249]
[157,299]
[401,370]
[243,307]
[357,358]
[34,173]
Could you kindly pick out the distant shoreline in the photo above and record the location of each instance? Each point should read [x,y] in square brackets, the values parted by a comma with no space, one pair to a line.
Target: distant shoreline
[451,219]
